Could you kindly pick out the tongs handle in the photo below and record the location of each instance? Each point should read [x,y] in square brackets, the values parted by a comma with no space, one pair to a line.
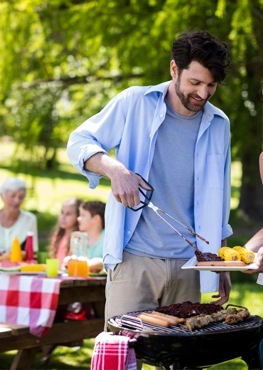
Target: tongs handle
[147,197]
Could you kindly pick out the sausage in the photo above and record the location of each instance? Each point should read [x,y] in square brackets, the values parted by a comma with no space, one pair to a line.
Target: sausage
[146,317]
[221,263]
[173,320]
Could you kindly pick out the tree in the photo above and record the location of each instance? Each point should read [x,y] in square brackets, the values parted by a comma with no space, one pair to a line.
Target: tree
[62,60]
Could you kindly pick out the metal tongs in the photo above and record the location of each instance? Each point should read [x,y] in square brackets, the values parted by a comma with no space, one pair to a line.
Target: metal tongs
[147,202]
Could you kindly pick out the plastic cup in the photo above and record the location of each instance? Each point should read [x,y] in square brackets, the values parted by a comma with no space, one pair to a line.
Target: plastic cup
[83,270]
[52,267]
[72,267]
[78,267]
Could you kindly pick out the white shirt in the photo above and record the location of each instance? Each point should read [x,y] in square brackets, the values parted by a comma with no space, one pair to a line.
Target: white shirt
[26,221]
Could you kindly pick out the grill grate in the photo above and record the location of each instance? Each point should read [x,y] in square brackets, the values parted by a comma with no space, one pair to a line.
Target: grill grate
[131,322]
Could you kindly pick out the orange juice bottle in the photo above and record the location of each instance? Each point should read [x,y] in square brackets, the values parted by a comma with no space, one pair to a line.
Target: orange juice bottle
[16,252]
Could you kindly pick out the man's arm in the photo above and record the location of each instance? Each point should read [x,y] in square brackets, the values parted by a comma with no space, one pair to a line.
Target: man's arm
[124,183]
[255,242]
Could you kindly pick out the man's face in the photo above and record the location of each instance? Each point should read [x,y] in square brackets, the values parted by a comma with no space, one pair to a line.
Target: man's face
[193,87]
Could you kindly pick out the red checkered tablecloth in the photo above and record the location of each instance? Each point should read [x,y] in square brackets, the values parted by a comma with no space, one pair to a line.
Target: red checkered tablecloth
[29,300]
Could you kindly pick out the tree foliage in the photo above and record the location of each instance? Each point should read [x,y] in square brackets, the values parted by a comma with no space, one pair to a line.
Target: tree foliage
[62,60]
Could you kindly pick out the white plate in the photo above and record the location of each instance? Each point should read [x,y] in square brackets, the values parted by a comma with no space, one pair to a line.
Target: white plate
[191,264]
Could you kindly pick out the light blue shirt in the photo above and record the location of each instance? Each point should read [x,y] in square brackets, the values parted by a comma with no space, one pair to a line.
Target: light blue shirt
[129,123]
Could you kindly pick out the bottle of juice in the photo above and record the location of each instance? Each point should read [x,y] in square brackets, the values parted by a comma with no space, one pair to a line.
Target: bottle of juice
[29,247]
[16,252]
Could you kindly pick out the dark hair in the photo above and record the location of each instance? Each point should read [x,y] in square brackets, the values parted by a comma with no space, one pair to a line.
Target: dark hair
[203,48]
[95,208]
[60,232]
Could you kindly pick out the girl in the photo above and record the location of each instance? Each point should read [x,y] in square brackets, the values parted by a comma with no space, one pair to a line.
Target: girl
[67,222]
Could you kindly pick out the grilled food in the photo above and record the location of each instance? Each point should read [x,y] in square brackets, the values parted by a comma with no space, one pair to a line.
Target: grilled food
[187,309]
[246,255]
[228,316]
[229,254]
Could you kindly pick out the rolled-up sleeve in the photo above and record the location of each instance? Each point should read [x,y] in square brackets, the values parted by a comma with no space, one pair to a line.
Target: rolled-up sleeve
[99,133]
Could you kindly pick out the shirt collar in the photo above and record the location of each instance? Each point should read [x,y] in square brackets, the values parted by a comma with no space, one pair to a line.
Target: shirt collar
[209,109]
[162,88]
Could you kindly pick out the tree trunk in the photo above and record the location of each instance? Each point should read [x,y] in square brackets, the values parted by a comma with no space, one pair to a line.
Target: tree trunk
[251,193]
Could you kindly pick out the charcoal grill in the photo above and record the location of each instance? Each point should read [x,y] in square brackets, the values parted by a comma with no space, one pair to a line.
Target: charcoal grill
[177,346]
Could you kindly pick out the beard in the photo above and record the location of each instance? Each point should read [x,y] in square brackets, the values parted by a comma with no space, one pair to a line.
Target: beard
[195,106]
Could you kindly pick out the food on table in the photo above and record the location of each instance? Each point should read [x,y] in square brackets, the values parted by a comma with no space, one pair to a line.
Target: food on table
[228,316]
[246,255]
[37,267]
[8,266]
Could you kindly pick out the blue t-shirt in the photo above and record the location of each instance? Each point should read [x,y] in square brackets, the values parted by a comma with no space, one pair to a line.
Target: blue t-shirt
[172,176]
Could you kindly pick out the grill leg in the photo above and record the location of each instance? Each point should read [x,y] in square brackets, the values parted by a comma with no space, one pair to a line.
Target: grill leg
[253,359]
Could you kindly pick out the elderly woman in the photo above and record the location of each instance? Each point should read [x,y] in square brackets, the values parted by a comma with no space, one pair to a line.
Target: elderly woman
[15,221]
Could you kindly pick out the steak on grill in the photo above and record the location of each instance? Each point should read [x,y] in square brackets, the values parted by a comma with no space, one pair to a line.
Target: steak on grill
[188,309]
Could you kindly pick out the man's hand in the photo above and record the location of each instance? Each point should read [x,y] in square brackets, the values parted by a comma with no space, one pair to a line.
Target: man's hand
[124,183]
[125,187]
[224,289]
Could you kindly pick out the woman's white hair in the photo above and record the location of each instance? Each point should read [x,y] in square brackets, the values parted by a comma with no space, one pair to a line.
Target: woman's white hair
[13,183]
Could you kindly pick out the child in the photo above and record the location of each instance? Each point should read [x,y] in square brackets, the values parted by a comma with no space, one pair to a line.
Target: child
[67,222]
[91,220]
[60,248]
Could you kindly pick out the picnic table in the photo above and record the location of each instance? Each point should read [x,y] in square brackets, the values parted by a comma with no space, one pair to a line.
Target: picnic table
[32,313]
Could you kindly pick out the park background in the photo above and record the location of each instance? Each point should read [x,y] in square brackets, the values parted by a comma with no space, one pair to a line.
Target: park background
[63,60]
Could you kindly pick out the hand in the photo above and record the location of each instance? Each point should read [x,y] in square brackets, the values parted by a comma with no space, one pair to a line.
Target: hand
[258,262]
[125,187]
[224,289]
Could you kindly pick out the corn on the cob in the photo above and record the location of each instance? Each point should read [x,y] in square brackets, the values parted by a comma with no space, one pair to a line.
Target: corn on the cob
[229,254]
[247,256]
[221,251]
[33,268]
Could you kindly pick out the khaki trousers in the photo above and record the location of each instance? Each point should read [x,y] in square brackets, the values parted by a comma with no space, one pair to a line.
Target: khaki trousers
[143,283]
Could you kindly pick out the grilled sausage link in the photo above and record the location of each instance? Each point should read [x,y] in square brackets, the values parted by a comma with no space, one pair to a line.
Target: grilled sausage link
[173,320]
[147,317]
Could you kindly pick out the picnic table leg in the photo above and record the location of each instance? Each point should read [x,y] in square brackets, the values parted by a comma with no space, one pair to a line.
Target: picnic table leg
[24,359]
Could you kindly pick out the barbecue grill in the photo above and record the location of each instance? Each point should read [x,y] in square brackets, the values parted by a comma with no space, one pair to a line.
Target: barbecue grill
[177,346]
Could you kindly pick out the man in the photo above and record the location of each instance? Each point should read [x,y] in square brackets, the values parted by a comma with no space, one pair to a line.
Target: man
[180,143]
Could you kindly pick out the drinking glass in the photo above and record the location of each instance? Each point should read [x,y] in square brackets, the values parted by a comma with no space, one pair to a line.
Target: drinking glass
[78,267]
[52,267]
